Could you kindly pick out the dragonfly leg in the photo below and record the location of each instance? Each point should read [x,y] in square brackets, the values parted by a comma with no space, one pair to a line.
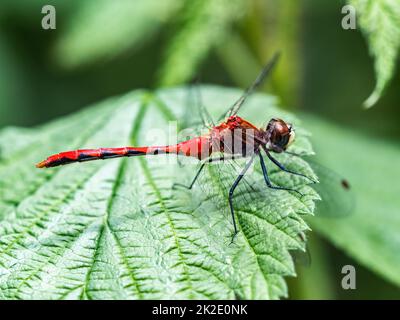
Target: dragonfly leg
[282,167]
[268,181]
[218,159]
[232,189]
[193,181]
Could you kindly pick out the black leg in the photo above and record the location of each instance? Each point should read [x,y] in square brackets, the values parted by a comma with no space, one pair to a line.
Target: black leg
[268,182]
[193,181]
[222,158]
[232,189]
[282,167]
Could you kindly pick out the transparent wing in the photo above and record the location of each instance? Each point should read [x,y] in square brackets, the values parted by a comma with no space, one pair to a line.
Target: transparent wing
[234,109]
[201,118]
[302,258]
[204,114]
[338,199]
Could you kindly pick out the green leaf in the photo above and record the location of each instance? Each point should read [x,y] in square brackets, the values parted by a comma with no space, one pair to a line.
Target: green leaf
[380,22]
[102,29]
[116,230]
[205,25]
[371,233]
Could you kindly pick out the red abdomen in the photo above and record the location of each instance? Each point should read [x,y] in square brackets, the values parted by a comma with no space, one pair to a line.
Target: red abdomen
[89,154]
[197,147]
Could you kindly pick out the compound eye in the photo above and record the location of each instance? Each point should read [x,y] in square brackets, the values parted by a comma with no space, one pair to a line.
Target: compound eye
[284,140]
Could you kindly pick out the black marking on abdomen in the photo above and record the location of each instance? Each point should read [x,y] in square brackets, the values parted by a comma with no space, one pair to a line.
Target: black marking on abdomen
[60,162]
[85,157]
[109,155]
[135,153]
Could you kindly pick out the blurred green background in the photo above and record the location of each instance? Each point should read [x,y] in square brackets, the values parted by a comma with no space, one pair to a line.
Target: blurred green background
[104,48]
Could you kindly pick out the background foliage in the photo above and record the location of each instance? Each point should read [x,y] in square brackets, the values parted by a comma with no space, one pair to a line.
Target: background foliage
[103,48]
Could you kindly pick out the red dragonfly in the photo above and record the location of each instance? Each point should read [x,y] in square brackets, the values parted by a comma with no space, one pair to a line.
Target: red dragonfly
[234,138]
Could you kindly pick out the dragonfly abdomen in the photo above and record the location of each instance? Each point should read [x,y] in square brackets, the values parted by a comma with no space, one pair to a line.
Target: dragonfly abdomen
[90,154]
[198,147]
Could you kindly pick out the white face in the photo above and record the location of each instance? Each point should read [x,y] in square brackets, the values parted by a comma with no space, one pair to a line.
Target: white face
[291,137]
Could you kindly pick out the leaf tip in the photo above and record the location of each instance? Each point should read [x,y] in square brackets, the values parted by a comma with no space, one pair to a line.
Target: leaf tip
[372,99]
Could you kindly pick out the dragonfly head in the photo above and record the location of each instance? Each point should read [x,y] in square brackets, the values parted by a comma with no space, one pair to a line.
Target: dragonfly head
[279,135]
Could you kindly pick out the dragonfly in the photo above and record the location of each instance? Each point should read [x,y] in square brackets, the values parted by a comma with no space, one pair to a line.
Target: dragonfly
[234,137]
